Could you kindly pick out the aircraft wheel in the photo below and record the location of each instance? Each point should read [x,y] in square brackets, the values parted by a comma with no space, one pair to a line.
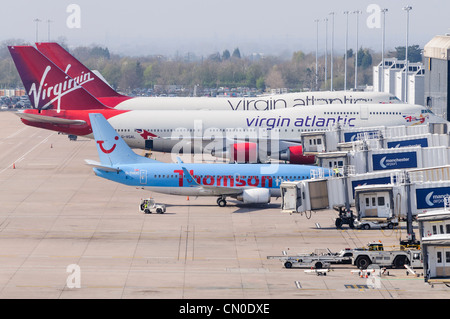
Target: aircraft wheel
[221,202]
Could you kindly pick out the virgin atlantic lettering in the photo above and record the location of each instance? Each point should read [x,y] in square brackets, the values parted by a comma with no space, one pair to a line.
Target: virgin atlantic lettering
[273,103]
[308,121]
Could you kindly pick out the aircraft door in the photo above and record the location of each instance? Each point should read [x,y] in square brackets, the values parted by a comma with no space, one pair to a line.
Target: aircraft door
[375,205]
[383,205]
[143,177]
[364,112]
[442,262]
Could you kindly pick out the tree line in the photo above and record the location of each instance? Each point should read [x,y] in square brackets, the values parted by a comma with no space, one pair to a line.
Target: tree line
[226,69]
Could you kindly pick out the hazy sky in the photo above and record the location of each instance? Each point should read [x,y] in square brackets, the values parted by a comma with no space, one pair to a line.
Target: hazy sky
[138,27]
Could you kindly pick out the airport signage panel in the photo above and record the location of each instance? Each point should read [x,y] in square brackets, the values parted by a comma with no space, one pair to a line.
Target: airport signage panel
[431,197]
[422,142]
[352,136]
[370,181]
[394,161]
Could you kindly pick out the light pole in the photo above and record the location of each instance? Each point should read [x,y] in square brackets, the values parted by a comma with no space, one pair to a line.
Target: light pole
[407,9]
[383,33]
[332,48]
[48,29]
[357,12]
[317,49]
[326,51]
[345,62]
[37,28]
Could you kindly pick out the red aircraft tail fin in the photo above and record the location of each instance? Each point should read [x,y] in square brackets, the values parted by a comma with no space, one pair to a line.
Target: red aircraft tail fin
[74,68]
[47,86]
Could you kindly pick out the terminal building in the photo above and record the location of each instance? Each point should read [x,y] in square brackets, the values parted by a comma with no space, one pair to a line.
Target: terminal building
[428,82]
[437,83]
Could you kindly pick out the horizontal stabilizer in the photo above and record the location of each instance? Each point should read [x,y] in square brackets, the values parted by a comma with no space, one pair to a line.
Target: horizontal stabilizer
[101,166]
[48,119]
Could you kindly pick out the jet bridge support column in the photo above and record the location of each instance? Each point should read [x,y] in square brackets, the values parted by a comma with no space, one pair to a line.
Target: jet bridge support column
[409,227]
[347,198]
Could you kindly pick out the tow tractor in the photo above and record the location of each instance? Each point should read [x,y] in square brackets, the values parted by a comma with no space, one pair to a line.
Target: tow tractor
[374,253]
[148,206]
[345,217]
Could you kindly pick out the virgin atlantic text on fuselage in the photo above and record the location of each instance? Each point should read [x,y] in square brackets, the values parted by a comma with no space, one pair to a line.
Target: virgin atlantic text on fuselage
[272,104]
[308,121]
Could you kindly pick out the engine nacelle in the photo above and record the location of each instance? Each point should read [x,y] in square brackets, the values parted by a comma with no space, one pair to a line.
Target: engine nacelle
[239,153]
[294,155]
[255,196]
[244,153]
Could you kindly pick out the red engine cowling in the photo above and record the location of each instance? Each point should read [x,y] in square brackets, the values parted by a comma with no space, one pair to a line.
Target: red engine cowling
[295,156]
[244,153]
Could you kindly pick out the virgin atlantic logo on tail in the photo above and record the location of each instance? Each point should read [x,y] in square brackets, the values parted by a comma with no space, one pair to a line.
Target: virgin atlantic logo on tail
[100,144]
[55,92]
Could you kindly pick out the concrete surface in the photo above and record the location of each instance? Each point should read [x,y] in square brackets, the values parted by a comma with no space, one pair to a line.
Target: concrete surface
[65,233]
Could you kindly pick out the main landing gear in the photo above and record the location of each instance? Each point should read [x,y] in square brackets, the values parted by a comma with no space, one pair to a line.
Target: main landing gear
[221,201]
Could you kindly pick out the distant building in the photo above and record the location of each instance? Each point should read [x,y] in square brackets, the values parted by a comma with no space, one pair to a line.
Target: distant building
[12,92]
[389,76]
[415,84]
[437,85]
[391,79]
[378,74]
[416,89]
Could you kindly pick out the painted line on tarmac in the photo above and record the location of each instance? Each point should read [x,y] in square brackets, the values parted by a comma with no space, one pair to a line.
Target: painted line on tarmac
[22,157]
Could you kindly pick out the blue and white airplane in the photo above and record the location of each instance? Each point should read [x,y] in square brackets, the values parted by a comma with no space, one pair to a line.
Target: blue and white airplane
[249,183]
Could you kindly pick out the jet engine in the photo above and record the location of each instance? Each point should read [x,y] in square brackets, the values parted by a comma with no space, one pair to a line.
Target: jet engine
[294,154]
[239,153]
[244,152]
[255,196]
[250,153]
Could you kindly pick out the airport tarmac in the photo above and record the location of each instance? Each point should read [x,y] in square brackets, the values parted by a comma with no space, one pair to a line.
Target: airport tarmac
[65,233]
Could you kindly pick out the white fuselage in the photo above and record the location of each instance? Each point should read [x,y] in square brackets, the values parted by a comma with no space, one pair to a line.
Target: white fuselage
[165,128]
[259,103]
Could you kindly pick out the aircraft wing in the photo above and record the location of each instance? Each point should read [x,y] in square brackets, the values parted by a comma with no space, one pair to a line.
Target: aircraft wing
[213,190]
[48,119]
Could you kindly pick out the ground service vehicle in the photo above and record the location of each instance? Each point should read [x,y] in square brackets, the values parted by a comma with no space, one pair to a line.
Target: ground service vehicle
[374,253]
[318,260]
[149,206]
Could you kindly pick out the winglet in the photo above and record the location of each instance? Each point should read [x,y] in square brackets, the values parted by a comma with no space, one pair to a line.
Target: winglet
[189,179]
